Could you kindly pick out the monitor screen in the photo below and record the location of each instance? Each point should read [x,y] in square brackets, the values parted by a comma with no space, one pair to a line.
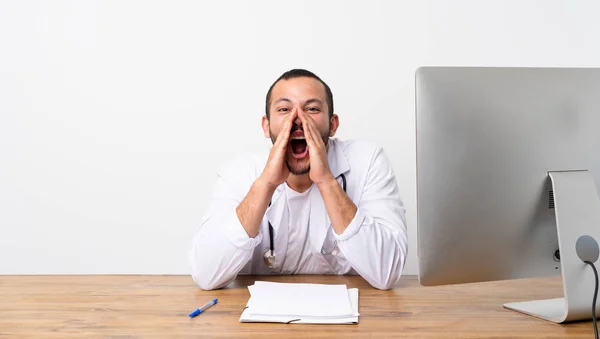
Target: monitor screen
[487,138]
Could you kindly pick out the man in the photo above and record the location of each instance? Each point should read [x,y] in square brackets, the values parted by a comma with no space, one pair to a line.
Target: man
[313,205]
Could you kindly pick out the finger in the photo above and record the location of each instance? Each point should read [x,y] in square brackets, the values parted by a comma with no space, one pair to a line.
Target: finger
[305,125]
[306,119]
[311,127]
[283,137]
[284,134]
[309,132]
[316,136]
[287,130]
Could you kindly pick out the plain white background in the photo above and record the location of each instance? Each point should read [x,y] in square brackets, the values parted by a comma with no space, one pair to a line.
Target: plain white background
[115,115]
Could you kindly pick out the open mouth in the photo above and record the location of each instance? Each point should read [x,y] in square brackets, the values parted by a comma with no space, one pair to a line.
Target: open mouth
[298,147]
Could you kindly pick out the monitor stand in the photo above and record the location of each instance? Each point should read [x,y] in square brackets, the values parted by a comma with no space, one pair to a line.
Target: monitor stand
[577,210]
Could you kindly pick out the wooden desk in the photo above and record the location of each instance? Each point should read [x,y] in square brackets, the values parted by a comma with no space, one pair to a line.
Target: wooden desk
[158,307]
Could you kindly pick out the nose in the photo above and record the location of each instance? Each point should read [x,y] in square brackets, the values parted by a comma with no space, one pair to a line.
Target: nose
[297,121]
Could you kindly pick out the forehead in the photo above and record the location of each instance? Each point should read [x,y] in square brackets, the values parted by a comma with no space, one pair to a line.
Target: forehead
[298,89]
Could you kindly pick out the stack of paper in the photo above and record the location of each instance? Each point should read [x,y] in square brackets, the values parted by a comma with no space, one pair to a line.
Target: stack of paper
[301,303]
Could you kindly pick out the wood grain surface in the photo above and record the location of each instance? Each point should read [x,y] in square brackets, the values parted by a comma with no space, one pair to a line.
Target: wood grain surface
[158,307]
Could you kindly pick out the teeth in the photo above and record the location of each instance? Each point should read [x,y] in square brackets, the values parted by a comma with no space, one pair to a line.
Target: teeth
[298,138]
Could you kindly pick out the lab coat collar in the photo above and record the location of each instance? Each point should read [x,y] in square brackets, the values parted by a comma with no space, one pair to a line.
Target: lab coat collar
[338,163]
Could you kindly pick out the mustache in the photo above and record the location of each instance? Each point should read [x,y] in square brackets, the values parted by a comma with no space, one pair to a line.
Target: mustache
[297,128]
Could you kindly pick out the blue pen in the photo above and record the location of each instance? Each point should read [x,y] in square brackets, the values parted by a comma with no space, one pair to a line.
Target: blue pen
[203,308]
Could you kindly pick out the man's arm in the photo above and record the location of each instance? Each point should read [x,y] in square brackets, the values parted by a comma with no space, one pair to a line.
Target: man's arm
[372,236]
[340,208]
[374,241]
[252,209]
[221,246]
[225,241]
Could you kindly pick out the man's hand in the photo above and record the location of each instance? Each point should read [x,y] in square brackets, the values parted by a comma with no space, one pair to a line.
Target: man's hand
[252,209]
[340,208]
[319,164]
[276,171]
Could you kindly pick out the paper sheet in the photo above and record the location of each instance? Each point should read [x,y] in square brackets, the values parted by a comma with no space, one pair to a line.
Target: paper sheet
[301,303]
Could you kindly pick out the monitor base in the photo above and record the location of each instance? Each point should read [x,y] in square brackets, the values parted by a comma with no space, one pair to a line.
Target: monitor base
[577,210]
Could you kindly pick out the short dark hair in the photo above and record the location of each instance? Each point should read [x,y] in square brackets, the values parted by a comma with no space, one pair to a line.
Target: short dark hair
[298,73]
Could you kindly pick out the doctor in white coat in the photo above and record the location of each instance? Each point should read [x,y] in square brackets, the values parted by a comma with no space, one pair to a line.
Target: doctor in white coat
[313,205]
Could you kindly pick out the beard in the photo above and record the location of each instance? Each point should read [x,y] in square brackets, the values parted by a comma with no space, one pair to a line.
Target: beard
[298,168]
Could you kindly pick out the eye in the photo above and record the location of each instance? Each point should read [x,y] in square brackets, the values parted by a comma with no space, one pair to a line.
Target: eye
[314,109]
[283,109]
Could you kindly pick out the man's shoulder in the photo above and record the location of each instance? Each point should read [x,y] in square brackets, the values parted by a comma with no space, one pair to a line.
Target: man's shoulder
[357,144]
[358,149]
[363,156]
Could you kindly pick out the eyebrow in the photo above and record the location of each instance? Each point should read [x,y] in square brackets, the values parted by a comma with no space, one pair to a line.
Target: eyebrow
[281,100]
[314,100]
[309,101]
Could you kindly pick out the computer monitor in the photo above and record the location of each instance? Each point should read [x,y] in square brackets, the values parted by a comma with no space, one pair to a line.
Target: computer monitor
[508,167]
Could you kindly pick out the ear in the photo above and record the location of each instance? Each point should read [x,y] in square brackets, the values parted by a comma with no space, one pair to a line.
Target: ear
[265,126]
[334,123]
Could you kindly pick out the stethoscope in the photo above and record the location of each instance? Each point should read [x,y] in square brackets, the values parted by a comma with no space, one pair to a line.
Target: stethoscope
[270,253]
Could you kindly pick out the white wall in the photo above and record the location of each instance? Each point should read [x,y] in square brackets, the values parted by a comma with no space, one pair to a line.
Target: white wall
[115,115]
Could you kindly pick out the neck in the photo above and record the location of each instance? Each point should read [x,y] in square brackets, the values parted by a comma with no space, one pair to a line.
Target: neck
[299,183]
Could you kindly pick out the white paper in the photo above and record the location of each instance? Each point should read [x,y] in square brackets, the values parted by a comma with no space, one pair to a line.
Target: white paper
[301,300]
[314,314]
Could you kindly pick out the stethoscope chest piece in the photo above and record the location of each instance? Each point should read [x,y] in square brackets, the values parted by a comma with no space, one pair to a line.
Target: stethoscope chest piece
[269,258]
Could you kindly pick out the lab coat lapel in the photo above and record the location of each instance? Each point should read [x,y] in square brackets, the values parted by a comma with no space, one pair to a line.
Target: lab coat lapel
[338,163]
[278,215]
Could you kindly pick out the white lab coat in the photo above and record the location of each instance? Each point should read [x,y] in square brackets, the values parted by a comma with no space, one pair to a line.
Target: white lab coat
[374,245]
